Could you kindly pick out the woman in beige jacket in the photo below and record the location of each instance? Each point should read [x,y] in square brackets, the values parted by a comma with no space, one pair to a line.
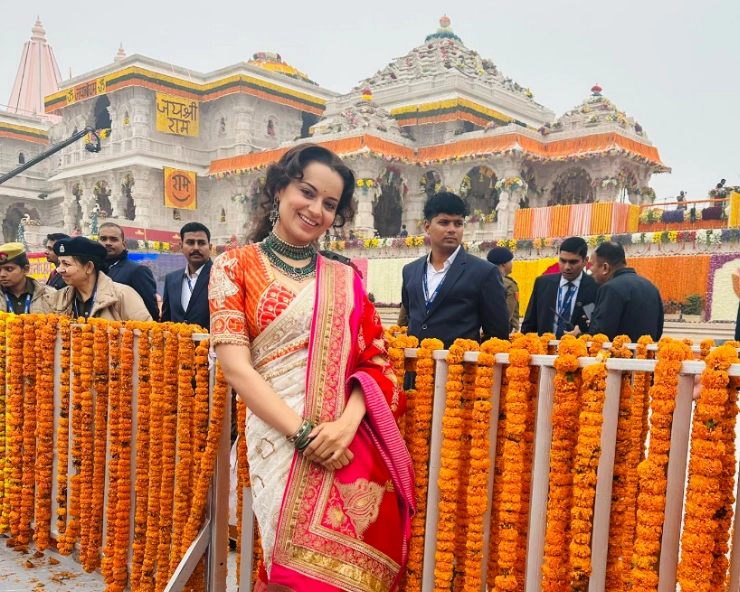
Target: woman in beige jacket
[90,292]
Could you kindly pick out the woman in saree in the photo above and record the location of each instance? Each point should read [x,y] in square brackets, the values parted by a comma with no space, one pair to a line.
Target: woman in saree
[298,339]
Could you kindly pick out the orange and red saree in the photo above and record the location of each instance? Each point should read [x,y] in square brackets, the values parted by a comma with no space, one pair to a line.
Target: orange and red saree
[322,530]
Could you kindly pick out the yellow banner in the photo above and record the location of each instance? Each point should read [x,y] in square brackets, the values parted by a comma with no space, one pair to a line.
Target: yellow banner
[176,115]
[40,267]
[86,90]
[179,189]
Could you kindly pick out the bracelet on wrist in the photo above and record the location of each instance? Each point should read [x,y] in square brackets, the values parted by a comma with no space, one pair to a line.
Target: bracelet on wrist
[301,429]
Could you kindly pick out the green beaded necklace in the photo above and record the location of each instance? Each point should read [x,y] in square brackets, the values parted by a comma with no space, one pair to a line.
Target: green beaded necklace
[273,245]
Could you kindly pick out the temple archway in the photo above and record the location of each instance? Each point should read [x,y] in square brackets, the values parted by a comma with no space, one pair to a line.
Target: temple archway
[13,218]
[127,188]
[431,183]
[388,207]
[572,187]
[102,116]
[478,189]
[102,198]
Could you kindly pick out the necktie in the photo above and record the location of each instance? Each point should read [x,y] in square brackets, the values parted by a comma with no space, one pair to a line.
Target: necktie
[564,310]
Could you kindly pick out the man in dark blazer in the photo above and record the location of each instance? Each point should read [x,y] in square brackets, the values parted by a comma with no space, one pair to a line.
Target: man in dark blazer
[557,301]
[124,271]
[627,304]
[185,297]
[54,280]
[450,294]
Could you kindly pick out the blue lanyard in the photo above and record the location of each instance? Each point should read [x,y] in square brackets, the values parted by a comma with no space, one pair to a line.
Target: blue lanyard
[26,308]
[561,298]
[190,285]
[92,303]
[431,298]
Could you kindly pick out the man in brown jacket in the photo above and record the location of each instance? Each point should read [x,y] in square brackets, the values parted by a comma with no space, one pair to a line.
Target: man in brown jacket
[21,294]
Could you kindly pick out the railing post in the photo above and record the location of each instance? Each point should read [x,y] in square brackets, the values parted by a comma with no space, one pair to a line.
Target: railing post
[605,474]
[246,565]
[435,455]
[540,480]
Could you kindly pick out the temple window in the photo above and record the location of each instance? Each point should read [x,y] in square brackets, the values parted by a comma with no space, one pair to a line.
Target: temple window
[270,128]
[21,158]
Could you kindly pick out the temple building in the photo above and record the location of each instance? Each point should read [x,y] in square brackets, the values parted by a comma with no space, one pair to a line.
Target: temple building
[178,145]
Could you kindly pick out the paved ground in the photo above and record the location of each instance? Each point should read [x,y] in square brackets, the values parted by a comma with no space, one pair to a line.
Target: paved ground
[28,573]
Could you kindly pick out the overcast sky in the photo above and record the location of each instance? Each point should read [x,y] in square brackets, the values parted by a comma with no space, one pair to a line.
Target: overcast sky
[671,65]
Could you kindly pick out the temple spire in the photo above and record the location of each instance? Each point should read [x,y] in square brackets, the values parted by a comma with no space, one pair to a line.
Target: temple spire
[121,54]
[38,76]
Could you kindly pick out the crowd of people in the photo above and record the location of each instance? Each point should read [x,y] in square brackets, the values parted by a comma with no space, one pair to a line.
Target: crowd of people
[300,341]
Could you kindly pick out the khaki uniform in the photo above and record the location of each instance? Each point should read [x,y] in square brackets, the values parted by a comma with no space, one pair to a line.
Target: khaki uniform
[512,302]
[42,300]
[113,302]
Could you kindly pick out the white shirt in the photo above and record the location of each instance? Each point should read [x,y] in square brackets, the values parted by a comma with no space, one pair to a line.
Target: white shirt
[187,288]
[562,291]
[434,277]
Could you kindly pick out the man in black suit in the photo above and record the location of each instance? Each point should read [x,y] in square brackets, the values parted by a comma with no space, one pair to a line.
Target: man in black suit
[448,293]
[627,304]
[557,300]
[185,297]
[55,280]
[124,271]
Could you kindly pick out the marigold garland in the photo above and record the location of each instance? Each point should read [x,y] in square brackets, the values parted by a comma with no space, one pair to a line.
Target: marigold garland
[207,460]
[700,569]
[565,412]
[185,401]
[480,463]
[3,418]
[652,471]
[705,347]
[63,429]
[143,444]
[508,577]
[449,473]
[45,342]
[586,460]
[157,395]
[86,441]
[463,514]
[616,561]
[638,435]
[242,474]
[123,495]
[114,421]
[418,436]
[14,412]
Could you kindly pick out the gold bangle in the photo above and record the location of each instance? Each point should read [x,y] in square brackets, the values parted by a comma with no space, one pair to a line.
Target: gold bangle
[299,431]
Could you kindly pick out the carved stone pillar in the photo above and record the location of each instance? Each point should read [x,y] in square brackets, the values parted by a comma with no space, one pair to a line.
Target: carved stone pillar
[365,198]
[143,194]
[141,122]
[117,203]
[242,117]
[87,203]
[608,193]
[70,208]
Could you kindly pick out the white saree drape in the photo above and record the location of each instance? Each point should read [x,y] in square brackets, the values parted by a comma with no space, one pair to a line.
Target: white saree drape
[280,355]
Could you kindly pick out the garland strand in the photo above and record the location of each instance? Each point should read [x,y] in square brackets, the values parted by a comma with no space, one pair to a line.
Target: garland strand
[704,499]
[185,401]
[615,565]
[587,454]
[652,471]
[418,437]
[86,451]
[480,462]
[565,412]
[63,429]
[123,495]
[243,480]
[142,454]
[508,578]
[46,339]
[13,464]
[4,443]
[29,433]
[114,422]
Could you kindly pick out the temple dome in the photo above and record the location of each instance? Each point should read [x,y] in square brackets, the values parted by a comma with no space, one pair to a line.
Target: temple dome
[442,52]
[595,110]
[273,62]
[364,115]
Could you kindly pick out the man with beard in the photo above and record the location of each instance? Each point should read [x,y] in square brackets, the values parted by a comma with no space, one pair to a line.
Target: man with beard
[186,290]
[124,271]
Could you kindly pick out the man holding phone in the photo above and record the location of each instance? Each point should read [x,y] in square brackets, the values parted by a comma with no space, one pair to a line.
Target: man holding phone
[558,301]
[626,304]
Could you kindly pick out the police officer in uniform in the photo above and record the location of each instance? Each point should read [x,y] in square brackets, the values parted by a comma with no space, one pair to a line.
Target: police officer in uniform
[504,258]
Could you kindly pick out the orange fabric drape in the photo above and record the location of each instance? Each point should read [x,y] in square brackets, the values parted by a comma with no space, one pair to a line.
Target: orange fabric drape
[634,219]
[601,218]
[620,218]
[560,221]
[523,223]
[676,276]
